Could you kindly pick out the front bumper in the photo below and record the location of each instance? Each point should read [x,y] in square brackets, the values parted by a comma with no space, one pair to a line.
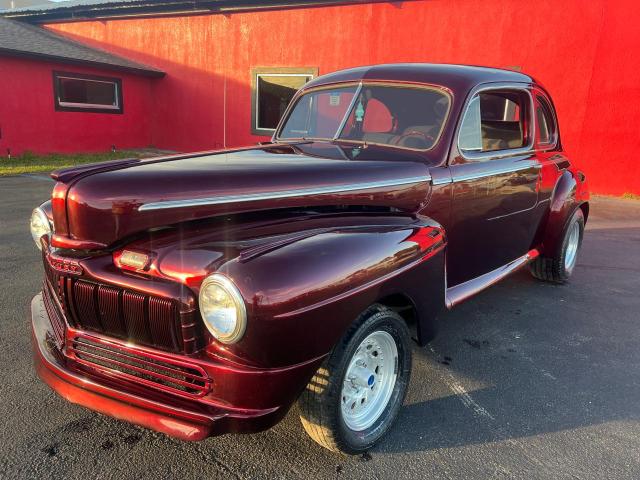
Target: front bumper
[187,419]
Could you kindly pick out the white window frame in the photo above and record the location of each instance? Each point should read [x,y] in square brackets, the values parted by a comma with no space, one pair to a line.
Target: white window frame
[266,72]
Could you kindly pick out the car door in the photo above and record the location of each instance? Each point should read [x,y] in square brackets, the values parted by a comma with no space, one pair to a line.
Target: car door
[495,175]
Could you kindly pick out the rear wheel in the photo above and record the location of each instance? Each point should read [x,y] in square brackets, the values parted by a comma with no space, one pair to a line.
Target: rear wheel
[559,267]
[353,399]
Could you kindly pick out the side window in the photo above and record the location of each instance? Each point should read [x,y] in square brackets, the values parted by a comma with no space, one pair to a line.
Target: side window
[470,139]
[545,122]
[495,120]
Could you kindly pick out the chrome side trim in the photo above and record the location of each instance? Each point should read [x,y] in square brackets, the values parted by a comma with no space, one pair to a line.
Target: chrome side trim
[254,197]
[441,181]
[501,171]
[519,211]
[459,293]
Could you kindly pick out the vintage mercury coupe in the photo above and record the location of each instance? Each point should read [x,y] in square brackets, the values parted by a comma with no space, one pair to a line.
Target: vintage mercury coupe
[204,293]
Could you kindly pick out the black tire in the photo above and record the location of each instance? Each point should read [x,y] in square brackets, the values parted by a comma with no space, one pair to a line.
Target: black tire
[553,268]
[321,402]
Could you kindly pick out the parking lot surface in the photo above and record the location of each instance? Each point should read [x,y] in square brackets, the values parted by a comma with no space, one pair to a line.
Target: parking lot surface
[527,380]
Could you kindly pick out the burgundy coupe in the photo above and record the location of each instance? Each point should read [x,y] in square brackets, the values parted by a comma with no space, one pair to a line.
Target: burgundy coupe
[205,293]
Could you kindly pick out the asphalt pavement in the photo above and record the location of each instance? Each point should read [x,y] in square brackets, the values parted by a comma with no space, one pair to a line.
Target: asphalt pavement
[527,380]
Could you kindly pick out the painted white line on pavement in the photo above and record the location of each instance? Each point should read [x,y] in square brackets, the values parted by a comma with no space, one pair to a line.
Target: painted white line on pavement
[466,399]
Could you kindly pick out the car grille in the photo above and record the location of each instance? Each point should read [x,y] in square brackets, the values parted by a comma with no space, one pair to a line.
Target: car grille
[55,316]
[133,365]
[121,313]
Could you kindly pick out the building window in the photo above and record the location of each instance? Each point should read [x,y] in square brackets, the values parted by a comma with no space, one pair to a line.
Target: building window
[75,92]
[272,89]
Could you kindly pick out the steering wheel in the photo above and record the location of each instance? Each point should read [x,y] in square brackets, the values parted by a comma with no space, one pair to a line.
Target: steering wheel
[428,138]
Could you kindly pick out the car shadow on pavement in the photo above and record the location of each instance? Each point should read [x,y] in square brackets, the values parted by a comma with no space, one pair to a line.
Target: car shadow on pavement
[527,358]
[440,423]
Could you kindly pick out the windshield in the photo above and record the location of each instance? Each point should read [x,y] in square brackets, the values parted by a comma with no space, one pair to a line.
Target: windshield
[400,116]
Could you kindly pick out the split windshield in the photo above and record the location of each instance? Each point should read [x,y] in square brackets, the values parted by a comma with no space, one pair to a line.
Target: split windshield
[400,116]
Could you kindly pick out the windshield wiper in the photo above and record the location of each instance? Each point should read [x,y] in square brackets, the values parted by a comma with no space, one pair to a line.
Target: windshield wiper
[360,143]
[290,141]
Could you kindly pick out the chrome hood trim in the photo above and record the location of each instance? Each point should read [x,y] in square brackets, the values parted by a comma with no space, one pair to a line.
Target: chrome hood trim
[252,197]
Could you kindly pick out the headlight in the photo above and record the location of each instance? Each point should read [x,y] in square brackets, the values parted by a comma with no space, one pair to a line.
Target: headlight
[39,225]
[222,308]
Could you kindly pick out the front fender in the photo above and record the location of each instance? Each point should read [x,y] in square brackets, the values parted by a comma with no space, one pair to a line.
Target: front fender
[301,296]
[570,192]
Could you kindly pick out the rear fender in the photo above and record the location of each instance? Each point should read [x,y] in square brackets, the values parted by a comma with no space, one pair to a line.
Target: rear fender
[570,193]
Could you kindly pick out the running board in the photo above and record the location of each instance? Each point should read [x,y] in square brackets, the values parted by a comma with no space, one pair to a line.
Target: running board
[468,289]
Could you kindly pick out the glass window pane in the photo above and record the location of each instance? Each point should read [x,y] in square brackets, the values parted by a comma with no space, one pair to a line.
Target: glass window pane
[546,125]
[81,91]
[318,114]
[274,94]
[502,121]
[381,114]
[543,128]
[399,116]
[470,131]
[495,121]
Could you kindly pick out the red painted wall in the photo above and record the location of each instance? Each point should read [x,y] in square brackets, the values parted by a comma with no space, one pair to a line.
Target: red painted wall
[28,120]
[586,53]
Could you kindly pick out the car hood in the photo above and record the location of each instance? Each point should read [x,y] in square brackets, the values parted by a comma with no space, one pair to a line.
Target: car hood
[106,203]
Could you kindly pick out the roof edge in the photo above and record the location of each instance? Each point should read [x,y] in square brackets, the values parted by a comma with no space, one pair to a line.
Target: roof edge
[149,8]
[85,63]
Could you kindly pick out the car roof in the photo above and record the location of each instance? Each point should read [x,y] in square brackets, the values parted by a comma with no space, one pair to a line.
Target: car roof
[454,77]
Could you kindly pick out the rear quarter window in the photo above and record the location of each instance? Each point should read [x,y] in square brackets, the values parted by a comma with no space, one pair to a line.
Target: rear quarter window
[545,122]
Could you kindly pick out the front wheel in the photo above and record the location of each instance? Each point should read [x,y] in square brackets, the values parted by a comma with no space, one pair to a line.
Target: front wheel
[559,266]
[354,398]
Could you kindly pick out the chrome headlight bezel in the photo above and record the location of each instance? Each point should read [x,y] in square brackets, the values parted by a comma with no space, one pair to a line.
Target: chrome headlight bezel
[39,217]
[234,294]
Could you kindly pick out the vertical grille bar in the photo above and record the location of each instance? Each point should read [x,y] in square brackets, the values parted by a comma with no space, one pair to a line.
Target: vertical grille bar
[69,308]
[55,316]
[109,307]
[50,274]
[85,300]
[162,324]
[133,308]
[56,281]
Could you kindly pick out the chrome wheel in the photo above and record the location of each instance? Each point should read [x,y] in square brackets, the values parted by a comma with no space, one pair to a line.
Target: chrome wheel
[573,242]
[369,381]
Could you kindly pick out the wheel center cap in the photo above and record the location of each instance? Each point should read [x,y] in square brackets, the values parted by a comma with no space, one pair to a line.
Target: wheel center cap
[362,377]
